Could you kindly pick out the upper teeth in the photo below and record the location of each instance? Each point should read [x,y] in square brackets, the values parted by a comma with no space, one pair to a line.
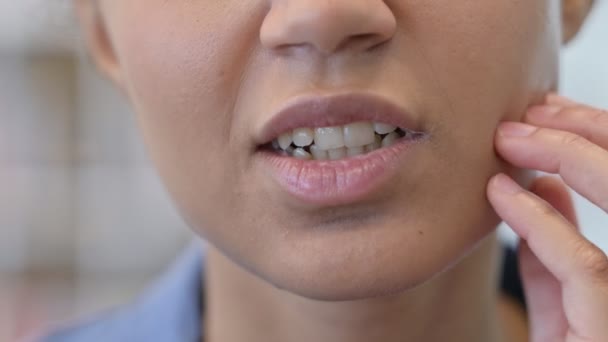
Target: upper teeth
[338,141]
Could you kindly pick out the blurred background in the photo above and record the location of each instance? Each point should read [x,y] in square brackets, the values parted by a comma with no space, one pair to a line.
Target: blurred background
[84,220]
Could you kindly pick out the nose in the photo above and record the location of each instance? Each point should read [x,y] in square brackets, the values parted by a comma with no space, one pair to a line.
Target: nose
[328,25]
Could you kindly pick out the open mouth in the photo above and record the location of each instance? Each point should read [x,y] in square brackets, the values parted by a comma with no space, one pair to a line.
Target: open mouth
[338,149]
[338,142]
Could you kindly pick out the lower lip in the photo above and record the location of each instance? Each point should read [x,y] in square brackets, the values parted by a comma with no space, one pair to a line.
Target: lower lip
[338,182]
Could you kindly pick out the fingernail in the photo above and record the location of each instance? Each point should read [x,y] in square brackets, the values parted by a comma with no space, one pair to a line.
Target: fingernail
[516,129]
[543,112]
[505,184]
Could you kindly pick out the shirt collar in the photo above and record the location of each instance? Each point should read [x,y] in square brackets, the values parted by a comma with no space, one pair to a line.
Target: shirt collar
[172,308]
[169,310]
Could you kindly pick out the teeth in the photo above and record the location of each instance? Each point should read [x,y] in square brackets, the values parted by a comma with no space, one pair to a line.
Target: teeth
[390,139]
[358,134]
[337,153]
[370,148]
[300,153]
[327,138]
[285,140]
[375,145]
[381,128]
[317,153]
[303,136]
[355,151]
[338,142]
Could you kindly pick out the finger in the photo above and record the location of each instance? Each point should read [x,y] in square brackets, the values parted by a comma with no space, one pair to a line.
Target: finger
[582,164]
[555,241]
[547,321]
[580,267]
[542,290]
[556,193]
[559,100]
[590,123]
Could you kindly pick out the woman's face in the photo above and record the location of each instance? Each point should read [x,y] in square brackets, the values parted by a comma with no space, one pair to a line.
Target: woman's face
[205,77]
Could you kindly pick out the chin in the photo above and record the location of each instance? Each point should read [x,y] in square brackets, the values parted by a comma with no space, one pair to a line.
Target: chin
[370,261]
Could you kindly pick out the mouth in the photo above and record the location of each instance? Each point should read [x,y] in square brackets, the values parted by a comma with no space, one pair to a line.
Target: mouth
[347,120]
[333,150]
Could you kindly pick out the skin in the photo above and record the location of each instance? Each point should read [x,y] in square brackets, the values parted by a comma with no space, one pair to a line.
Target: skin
[204,76]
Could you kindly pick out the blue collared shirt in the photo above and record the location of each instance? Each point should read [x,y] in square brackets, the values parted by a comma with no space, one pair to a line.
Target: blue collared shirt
[168,311]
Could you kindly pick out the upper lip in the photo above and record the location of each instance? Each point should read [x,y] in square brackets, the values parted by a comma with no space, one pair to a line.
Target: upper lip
[314,111]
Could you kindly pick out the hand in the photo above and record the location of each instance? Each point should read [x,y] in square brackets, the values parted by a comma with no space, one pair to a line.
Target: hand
[565,276]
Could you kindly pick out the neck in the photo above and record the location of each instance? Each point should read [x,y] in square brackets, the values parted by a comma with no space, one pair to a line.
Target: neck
[460,304]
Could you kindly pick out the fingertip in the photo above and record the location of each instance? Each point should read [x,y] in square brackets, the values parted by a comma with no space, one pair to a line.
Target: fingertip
[542,113]
[504,184]
[511,129]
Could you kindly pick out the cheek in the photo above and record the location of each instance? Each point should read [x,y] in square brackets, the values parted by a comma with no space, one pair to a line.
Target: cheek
[488,63]
[182,67]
